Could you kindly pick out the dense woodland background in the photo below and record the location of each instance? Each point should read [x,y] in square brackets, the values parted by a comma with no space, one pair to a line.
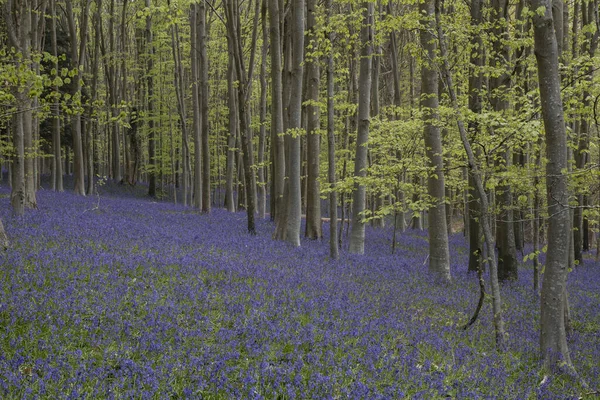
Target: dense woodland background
[416,114]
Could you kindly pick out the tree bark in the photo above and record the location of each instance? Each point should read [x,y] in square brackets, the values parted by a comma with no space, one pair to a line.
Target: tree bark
[553,341]
[507,253]
[294,206]
[233,129]
[77,62]
[277,141]
[150,93]
[439,254]
[57,171]
[261,190]
[203,76]
[196,124]
[244,88]
[313,135]
[333,214]
[179,94]
[357,234]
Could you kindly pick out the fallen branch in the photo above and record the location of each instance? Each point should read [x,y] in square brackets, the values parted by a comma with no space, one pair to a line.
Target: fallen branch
[481,295]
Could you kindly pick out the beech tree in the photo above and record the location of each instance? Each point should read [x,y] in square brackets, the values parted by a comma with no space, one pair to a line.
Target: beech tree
[439,255]
[357,236]
[553,338]
[313,136]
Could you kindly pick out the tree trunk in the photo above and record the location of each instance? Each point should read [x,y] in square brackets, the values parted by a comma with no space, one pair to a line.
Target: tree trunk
[357,235]
[277,141]
[333,214]
[553,341]
[233,129]
[262,183]
[57,171]
[244,88]
[126,178]
[439,255]
[197,123]
[507,252]
[294,204]
[180,95]
[150,94]
[77,62]
[313,136]
[94,93]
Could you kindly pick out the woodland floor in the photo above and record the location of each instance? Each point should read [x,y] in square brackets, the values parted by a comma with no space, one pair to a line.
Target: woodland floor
[119,296]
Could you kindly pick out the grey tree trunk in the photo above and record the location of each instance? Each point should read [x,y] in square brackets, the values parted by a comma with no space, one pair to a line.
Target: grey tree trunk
[111,75]
[233,129]
[507,252]
[203,76]
[179,93]
[244,88]
[78,55]
[400,220]
[334,252]
[553,340]
[313,136]
[123,136]
[294,205]
[17,195]
[57,171]
[357,233]
[439,254]
[93,124]
[277,141]
[18,22]
[196,125]
[150,88]
[261,189]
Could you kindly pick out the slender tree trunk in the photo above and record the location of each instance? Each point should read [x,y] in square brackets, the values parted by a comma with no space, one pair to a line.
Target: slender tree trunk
[126,178]
[357,235]
[244,88]
[400,220]
[499,85]
[150,92]
[277,141]
[333,214]
[376,69]
[196,125]
[439,254]
[179,94]
[57,171]
[262,183]
[111,72]
[203,76]
[233,128]
[282,224]
[313,136]
[77,61]
[553,340]
[93,123]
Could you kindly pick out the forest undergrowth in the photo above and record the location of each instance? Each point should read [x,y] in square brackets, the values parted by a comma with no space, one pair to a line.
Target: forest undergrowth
[119,296]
